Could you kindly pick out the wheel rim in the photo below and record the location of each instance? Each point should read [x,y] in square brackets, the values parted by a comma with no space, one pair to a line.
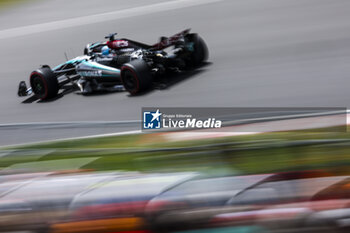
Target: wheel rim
[129,80]
[38,86]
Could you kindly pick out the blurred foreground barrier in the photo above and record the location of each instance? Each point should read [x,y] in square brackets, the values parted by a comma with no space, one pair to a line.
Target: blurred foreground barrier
[101,225]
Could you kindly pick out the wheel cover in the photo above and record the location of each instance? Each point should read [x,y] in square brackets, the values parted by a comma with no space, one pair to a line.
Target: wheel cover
[38,86]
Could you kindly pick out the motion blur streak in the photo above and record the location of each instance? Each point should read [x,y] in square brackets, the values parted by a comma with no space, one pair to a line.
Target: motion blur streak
[128,202]
[105,225]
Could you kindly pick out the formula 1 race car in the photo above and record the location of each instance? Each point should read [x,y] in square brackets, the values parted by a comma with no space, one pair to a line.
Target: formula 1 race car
[119,64]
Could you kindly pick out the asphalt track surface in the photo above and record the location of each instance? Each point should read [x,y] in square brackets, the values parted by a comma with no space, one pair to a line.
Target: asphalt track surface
[263,53]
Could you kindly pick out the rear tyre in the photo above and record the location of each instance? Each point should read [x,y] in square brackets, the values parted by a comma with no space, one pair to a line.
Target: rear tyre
[200,50]
[44,83]
[136,76]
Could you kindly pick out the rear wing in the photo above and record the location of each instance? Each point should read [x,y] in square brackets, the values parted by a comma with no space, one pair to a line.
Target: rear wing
[169,41]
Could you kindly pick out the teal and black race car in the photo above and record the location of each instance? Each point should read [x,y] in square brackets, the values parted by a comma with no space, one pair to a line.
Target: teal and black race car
[119,64]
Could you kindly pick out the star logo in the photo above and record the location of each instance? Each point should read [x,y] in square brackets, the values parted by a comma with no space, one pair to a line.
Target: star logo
[152,120]
[156,115]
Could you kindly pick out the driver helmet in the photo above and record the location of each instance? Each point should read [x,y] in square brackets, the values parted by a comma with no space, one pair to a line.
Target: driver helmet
[105,50]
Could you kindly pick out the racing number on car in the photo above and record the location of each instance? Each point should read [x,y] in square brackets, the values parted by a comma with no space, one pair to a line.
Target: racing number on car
[121,43]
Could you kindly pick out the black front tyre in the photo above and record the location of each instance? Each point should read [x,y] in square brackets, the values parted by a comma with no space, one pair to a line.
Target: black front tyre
[44,83]
[200,50]
[136,76]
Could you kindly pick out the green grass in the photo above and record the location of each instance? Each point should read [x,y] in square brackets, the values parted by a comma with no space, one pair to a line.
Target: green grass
[9,3]
[268,152]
